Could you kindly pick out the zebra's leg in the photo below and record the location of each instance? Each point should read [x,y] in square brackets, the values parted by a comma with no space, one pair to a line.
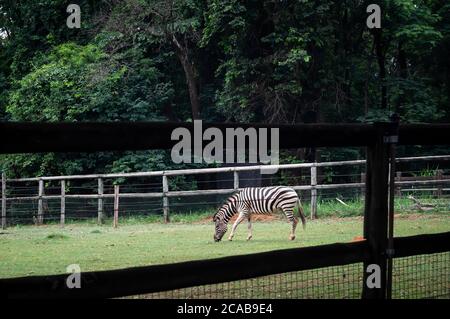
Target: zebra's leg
[236,223]
[294,221]
[249,227]
[294,225]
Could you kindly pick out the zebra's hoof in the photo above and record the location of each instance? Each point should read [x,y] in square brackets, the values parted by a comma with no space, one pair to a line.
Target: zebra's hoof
[230,238]
[292,237]
[249,237]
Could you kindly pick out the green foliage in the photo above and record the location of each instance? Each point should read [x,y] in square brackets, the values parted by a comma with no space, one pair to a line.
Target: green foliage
[53,91]
[251,61]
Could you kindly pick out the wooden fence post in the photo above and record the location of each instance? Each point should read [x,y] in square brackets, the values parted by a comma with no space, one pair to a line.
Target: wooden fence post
[313,191]
[439,176]
[363,180]
[398,189]
[3,200]
[63,203]
[165,185]
[100,202]
[376,213]
[40,217]
[116,206]
[236,180]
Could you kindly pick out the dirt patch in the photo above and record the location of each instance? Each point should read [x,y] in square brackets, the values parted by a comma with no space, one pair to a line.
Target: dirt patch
[358,238]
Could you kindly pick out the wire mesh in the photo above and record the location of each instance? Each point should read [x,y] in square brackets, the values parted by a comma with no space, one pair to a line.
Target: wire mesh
[337,201]
[340,203]
[336,282]
[414,277]
[421,276]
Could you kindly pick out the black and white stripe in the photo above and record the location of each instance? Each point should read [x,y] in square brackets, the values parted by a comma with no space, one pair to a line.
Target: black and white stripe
[258,200]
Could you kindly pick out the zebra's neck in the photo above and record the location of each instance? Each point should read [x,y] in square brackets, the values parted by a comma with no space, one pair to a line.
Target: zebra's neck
[230,208]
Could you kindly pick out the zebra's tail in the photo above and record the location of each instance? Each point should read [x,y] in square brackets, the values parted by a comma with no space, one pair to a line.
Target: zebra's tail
[300,212]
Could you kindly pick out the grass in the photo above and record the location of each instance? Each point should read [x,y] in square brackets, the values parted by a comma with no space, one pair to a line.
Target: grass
[355,207]
[48,249]
[57,236]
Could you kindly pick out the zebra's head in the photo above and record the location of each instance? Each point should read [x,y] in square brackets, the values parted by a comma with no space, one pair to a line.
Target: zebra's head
[220,226]
[222,217]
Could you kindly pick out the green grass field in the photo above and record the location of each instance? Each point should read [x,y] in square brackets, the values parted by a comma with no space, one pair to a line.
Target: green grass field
[48,249]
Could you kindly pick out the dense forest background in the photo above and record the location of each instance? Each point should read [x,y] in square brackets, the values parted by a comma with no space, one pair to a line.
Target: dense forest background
[285,61]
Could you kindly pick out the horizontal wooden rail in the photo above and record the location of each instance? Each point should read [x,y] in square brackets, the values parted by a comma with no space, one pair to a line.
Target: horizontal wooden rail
[212,191]
[28,137]
[424,189]
[141,280]
[198,171]
[424,134]
[423,158]
[426,182]
[421,244]
[89,137]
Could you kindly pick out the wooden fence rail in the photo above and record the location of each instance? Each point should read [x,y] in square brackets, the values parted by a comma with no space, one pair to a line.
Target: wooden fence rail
[149,279]
[379,138]
[166,194]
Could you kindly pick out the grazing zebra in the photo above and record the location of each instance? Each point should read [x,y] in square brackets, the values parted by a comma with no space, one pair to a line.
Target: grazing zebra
[257,200]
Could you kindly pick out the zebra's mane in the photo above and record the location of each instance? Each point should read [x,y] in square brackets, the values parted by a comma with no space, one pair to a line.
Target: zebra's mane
[229,201]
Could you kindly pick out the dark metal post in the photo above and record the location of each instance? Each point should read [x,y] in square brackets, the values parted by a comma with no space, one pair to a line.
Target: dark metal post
[392,140]
[3,200]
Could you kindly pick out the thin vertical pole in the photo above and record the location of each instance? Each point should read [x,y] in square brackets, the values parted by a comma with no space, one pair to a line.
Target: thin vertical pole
[392,139]
[116,206]
[100,202]
[236,180]
[398,189]
[313,191]
[439,175]
[3,201]
[40,217]
[63,203]
[390,248]
[363,180]
[165,185]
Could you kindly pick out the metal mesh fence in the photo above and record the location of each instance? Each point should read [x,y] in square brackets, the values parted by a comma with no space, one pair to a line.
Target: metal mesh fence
[337,282]
[22,203]
[422,276]
[336,203]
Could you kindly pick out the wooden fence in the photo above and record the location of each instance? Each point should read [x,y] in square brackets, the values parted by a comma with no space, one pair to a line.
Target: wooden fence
[313,187]
[378,247]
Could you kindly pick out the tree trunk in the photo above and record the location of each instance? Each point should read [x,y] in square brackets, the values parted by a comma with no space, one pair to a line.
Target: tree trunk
[381,59]
[366,95]
[402,65]
[191,79]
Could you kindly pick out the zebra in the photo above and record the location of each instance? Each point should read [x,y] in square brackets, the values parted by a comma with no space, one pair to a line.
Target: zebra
[257,200]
